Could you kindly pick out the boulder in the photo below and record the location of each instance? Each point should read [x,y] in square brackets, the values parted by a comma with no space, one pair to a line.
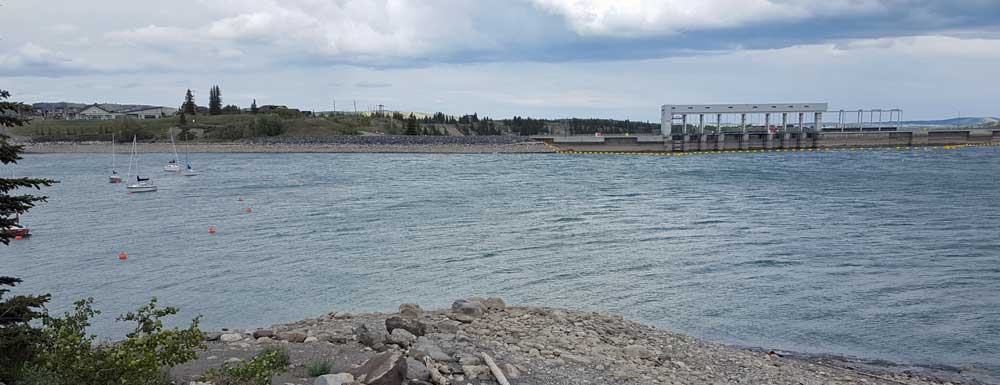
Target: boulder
[370,338]
[511,371]
[446,327]
[413,326]
[263,333]
[231,337]
[410,310]
[211,336]
[386,368]
[469,360]
[402,338]
[469,307]
[295,337]
[311,339]
[425,348]
[476,371]
[494,304]
[416,370]
[334,379]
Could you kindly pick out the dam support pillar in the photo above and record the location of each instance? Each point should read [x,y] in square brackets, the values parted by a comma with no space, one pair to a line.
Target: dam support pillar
[744,137]
[720,136]
[770,134]
[918,137]
[785,136]
[701,133]
[818,129]
[802,131]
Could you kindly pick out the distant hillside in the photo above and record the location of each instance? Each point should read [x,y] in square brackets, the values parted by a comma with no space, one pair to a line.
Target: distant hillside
[962,122]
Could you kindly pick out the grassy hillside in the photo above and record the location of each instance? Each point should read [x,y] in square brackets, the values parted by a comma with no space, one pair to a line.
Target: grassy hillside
[204,127]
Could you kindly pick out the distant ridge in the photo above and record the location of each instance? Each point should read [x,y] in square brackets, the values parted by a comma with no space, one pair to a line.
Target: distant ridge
[965,122]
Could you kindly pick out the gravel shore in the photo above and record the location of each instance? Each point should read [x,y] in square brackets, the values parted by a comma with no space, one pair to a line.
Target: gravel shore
[338,144]
[530,345]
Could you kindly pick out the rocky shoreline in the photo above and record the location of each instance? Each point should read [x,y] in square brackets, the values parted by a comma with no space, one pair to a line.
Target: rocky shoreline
[346,144]
[527,345]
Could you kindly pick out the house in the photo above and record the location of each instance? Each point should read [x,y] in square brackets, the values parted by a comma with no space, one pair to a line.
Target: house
[111,112]
[150,112]
[97,112]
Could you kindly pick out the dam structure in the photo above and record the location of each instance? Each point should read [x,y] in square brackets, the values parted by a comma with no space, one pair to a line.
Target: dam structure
[767,126]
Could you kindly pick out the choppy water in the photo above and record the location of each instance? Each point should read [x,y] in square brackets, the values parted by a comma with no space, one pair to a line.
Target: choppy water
[885,254]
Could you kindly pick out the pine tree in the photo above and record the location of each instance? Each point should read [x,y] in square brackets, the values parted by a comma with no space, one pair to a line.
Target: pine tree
[188,107]
[215,101]
[182,119]
[11,205]
[253,107]
[411,125]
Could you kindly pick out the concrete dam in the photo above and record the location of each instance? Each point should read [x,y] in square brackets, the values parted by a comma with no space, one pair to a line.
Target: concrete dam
[739,127]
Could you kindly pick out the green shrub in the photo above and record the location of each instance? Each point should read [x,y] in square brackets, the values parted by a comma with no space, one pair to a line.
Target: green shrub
[269,125]
[319,367]
[68,355]
[258,371]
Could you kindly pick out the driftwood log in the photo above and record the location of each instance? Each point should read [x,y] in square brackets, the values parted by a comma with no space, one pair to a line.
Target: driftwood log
[495,369]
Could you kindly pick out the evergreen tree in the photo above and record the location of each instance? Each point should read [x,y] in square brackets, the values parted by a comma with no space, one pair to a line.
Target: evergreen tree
[215,101]
[411,125]
[188,107]
[253,107]
[11,115]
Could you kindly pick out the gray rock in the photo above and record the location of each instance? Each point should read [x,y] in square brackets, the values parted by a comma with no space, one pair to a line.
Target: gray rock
[424,348]
[231,337]
[334,339]
[469,307]
[446,327]
[334,379]
[211,336]
[569,357]
[387,368]
[263,333]
[468,360]
[370,338]
[413,326]
[311,339]
[416,370]
[511,371]
[476,371]
[402,338]
[637,351]
[494,304]
[295,337]
[410,310]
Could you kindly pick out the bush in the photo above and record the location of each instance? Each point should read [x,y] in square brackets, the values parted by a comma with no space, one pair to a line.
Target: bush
[319,367]
[257,371]
[68,356]
[269,125]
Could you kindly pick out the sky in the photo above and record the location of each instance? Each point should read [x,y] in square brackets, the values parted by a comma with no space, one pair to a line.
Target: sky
[541,58]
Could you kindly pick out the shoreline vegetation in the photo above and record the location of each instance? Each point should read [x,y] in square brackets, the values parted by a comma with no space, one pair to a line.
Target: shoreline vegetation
[353,144]
[527,345]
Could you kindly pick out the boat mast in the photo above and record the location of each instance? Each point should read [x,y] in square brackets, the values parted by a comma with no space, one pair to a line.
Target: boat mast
[130,157]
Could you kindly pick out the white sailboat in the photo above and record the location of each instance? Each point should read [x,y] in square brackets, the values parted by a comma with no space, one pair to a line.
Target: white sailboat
[141,184]
[114,178]
[172,166]
[188,171]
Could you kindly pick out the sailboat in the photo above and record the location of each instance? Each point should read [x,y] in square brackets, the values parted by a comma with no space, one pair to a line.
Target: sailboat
[188,171]
[17,229]
[172,166]
[141,184]
[114,178]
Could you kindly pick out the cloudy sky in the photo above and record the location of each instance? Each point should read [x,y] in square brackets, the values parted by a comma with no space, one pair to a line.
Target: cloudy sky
[549,58]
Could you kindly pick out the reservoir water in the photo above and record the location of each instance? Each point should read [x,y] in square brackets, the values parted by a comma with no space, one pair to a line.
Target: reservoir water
[890,255]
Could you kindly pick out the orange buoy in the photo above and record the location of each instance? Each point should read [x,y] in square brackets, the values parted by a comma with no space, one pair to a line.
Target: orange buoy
[211,230]
[123,256]
[18,238]
[249,210]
